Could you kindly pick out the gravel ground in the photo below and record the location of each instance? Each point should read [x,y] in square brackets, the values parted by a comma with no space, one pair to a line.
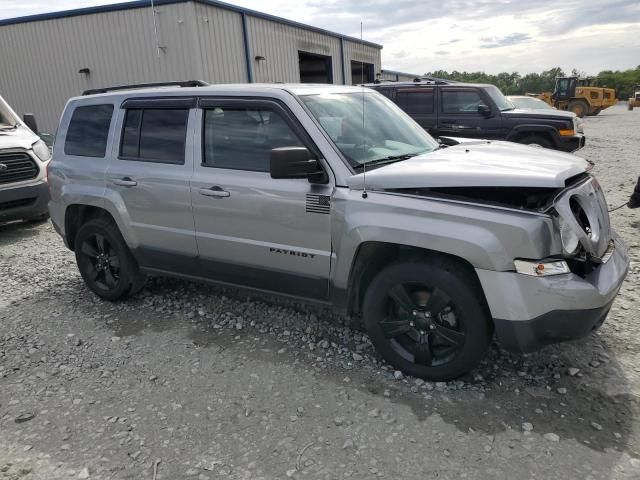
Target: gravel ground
[190,381]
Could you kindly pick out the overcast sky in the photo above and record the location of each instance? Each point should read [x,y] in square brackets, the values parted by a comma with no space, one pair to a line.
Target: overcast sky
[427,35]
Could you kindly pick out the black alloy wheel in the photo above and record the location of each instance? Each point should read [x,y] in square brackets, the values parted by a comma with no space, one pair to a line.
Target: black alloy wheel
[421,324]
[101,260]
[104,260]
[428,318]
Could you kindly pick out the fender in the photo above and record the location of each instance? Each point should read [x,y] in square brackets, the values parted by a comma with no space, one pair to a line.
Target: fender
[519,130]
[484,237]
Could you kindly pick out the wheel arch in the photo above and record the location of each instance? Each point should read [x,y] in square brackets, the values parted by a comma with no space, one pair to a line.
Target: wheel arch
[373,256]
[522,132]
[77,215]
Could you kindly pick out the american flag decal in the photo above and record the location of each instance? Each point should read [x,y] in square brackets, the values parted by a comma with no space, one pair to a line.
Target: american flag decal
[318,203]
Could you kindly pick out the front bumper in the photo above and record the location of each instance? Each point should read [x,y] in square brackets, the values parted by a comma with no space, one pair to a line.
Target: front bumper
[530,312]
[572,143]
[23,202]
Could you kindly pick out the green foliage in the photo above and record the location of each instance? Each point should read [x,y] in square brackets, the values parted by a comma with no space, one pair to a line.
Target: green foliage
[516,84]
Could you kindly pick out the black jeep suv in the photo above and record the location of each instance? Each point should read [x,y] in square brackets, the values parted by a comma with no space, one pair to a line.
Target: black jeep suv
[471,110]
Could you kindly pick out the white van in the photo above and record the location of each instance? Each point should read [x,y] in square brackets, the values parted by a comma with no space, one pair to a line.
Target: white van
[24,192]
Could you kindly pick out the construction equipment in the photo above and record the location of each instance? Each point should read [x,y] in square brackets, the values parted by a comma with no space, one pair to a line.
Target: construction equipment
[634,100]
[579,96]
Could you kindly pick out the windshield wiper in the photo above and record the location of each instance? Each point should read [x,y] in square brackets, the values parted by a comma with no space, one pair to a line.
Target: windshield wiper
[9,127]
[389,159]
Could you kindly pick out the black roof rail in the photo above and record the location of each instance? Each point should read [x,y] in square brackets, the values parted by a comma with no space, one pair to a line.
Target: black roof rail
[437,81]
[184,83]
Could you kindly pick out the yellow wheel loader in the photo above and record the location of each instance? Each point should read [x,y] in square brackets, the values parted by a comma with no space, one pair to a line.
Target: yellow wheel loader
[634,101]
[577,95]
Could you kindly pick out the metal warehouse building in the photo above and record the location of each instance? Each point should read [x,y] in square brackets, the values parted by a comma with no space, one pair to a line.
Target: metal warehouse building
[45,59]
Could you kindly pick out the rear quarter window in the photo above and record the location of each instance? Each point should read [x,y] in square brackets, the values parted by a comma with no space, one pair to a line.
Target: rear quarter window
[88,131]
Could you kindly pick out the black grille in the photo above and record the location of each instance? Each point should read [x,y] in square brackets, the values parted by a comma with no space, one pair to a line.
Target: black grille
[25,202]
[318,203]
[16,167]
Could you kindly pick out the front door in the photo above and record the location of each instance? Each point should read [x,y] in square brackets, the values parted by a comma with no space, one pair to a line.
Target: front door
[148,179]
[252,230]
[458,115]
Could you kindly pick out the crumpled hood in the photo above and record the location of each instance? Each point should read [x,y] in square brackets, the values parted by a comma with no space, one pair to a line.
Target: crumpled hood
[20,137]
[477,164]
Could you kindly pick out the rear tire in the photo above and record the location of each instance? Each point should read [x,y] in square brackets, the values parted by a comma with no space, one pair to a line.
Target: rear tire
[536,141]
[427,318]
[104,260]
[579,107]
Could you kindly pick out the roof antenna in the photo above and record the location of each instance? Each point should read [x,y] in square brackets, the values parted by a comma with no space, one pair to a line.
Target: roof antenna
[155,28]
[364,165]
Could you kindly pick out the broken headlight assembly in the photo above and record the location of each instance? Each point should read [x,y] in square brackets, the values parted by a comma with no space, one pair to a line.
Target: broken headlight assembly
[541,268]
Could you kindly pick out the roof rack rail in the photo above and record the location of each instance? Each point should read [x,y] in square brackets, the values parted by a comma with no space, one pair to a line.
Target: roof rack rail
[436,81]
[185,83]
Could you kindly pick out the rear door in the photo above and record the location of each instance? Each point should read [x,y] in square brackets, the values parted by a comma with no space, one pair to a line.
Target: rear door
[148,181]
[251,229]
[419,102]
[458,114]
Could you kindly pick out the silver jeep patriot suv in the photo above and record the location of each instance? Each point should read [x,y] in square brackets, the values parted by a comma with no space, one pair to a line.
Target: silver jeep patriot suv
[334,195]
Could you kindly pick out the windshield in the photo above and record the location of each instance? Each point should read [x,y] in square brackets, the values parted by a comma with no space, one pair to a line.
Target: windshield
[499,99]
[533,103]
[384,133]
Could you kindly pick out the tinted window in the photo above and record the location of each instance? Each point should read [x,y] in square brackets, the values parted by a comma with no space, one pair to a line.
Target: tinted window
[131,134]
[461,101]
[242,138]
[88,131]
[156,135]
[415,101]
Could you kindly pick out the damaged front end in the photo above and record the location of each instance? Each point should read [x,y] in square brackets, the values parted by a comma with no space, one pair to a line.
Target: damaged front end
[534,199]
[579,213]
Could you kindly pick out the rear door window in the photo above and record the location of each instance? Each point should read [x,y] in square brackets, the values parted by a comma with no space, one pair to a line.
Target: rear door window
[154,135]
[416,100]
[88,131]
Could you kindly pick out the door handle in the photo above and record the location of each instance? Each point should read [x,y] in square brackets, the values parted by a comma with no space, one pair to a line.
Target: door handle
[214,192]
[125,182]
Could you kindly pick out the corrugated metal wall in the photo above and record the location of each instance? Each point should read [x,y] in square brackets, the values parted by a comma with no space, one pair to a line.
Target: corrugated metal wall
[397,76]
[220,54]
[40,60]
[279,44]
[360,53]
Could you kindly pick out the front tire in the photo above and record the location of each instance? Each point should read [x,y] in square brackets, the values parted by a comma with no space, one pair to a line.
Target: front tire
[427,319]
[104,260]
[579,107]
[537,141]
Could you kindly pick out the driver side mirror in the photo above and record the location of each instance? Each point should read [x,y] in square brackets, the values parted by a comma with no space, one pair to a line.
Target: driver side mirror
[484,110]
[296,162]
[29,120]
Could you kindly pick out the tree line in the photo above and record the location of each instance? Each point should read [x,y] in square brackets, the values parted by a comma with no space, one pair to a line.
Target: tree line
[515,84]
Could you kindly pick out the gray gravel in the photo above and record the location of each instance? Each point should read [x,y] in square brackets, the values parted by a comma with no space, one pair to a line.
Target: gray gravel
[199,382]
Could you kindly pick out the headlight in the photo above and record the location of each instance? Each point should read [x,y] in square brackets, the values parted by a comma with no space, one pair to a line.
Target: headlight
[41,150]
[569,238]
[542,268]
